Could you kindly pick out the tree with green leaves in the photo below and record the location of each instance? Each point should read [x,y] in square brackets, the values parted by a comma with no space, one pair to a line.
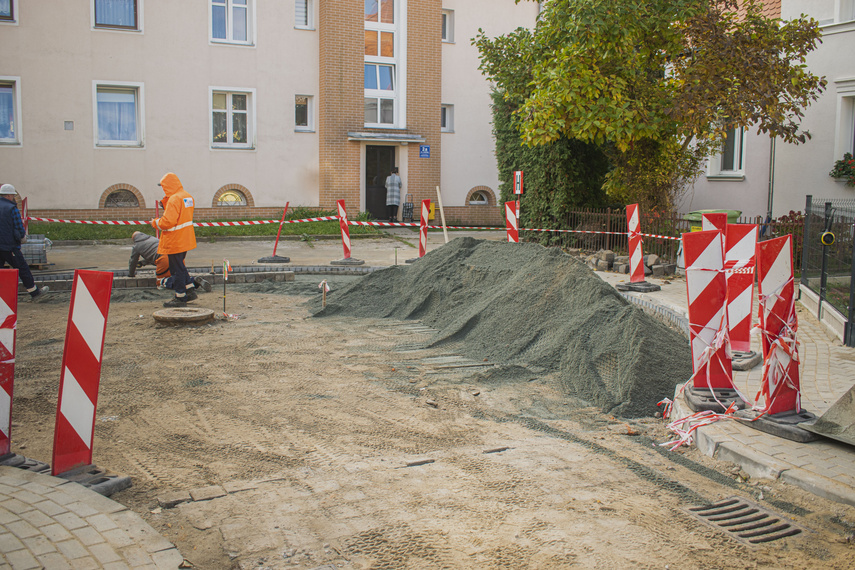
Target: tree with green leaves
[656,83]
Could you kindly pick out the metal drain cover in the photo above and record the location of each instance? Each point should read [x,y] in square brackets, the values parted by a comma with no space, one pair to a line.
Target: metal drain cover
[747,522]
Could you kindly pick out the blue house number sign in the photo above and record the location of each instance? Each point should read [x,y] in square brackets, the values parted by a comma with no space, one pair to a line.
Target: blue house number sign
[424,151]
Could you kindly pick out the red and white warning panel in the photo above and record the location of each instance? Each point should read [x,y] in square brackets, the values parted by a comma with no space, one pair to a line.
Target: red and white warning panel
[739,262]
[714,221]
[778,326]
[633,224]
[511,221]
[345,228]
[423,227]
[81,370]
[707,296]
[8,324]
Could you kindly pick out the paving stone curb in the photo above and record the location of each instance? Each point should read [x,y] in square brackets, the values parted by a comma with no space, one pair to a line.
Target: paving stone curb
[48,522]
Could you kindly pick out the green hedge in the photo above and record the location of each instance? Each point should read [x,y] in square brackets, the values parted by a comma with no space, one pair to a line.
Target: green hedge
[557,178]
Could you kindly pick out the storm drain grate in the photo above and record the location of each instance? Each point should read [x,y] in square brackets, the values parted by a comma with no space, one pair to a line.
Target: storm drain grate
[745,521]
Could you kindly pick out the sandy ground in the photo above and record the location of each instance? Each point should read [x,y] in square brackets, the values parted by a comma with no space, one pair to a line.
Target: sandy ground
[347,443]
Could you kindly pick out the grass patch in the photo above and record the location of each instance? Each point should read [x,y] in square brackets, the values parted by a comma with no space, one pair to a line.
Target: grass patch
[61,231]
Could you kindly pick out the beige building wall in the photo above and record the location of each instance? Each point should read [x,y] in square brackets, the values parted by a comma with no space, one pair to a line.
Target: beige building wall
[57,55]
[470,159]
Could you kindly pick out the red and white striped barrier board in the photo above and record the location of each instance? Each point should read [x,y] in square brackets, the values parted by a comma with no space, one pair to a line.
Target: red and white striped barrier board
[8,323]
[636,267]
[81,370]
[25,216]
[778,326]
[511,221]
[345,228]
[739,261]
[423,227]
[707,294]
[714,221]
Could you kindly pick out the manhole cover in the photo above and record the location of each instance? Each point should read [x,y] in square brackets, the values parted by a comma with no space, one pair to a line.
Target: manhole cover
[184,315]
[745,521]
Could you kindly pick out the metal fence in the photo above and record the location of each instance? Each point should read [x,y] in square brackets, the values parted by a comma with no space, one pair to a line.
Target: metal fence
[828,263]
[612,223]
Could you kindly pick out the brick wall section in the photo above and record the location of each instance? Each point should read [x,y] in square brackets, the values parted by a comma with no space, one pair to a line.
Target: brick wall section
[424,90]
[341,104]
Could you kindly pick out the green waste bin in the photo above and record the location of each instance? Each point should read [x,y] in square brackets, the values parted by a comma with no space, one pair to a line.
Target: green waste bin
[695,217]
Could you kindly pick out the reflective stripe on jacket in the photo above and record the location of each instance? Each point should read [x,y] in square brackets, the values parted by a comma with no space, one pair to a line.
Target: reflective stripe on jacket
[176,223]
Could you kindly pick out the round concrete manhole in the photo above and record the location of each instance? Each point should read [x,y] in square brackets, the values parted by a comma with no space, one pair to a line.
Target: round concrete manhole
[184,315]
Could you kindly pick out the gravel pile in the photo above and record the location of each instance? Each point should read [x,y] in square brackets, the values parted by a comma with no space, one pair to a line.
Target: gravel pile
[529,308]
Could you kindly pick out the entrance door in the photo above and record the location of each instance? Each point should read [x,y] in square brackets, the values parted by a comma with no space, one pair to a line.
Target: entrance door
[379,161]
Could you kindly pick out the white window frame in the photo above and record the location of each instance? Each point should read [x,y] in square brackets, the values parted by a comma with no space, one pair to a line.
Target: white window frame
[14,21]
[448,26]
[108,28]
[309,127]
[18,140]
[310,15]
[715,171]
[483,202]
[139,94]
[250,25]
[844,10]
[399,94]
[448,127]
[251,105]
[844,136]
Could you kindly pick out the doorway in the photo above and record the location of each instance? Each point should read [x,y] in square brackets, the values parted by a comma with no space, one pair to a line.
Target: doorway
[379,161]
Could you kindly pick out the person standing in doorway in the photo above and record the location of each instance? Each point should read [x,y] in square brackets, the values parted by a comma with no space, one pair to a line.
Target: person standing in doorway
[11,236]
[177,237]
[393,194]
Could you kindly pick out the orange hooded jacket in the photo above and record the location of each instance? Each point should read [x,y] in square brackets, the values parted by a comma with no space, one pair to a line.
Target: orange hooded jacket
[176,223]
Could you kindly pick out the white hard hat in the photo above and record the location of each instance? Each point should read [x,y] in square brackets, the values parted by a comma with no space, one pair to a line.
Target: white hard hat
[8,189]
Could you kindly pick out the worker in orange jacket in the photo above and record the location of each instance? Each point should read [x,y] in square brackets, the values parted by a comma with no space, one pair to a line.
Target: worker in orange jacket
[177,237]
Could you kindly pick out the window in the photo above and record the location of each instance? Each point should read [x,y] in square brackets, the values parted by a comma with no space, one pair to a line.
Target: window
[10,110]
[121,14]
[231,198]
[303,113]
[446,123]
[118,114]
[846,10]
[478,199]
[844,140]
[7,10]
[232,119]
[381,63]
[303,14]
[730,162]
[122,199]
[231,21]
[448,26]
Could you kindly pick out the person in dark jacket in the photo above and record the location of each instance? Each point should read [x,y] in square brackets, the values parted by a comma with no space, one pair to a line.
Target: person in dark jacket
[11,236]
[144,252]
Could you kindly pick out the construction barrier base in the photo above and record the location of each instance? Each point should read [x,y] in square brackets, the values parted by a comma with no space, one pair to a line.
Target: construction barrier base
[702,399]
[784,425]
[25,463]
[348,261]
[746,360]
[638,287]
[413,260]
[97,479]
[275,259]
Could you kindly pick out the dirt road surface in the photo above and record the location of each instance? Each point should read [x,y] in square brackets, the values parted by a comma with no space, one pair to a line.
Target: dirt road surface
[347,443]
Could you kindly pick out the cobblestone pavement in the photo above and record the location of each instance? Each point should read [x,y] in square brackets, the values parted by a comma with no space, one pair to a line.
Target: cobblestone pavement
[827,372]
[48,522]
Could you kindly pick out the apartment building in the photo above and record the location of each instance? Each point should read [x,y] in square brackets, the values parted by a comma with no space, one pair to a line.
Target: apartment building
[253,103]
[762,176]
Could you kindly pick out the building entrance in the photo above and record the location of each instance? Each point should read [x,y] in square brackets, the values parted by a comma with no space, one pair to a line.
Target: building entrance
[379,161]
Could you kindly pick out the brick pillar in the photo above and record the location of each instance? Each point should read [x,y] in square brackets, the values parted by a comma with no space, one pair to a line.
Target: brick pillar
[424,90]
[340,105]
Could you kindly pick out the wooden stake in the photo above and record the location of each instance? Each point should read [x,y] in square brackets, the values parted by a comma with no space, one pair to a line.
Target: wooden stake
[441,213]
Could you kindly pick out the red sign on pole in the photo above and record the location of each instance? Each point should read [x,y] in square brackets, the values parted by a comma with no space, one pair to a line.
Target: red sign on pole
[81,370]
[8,322]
